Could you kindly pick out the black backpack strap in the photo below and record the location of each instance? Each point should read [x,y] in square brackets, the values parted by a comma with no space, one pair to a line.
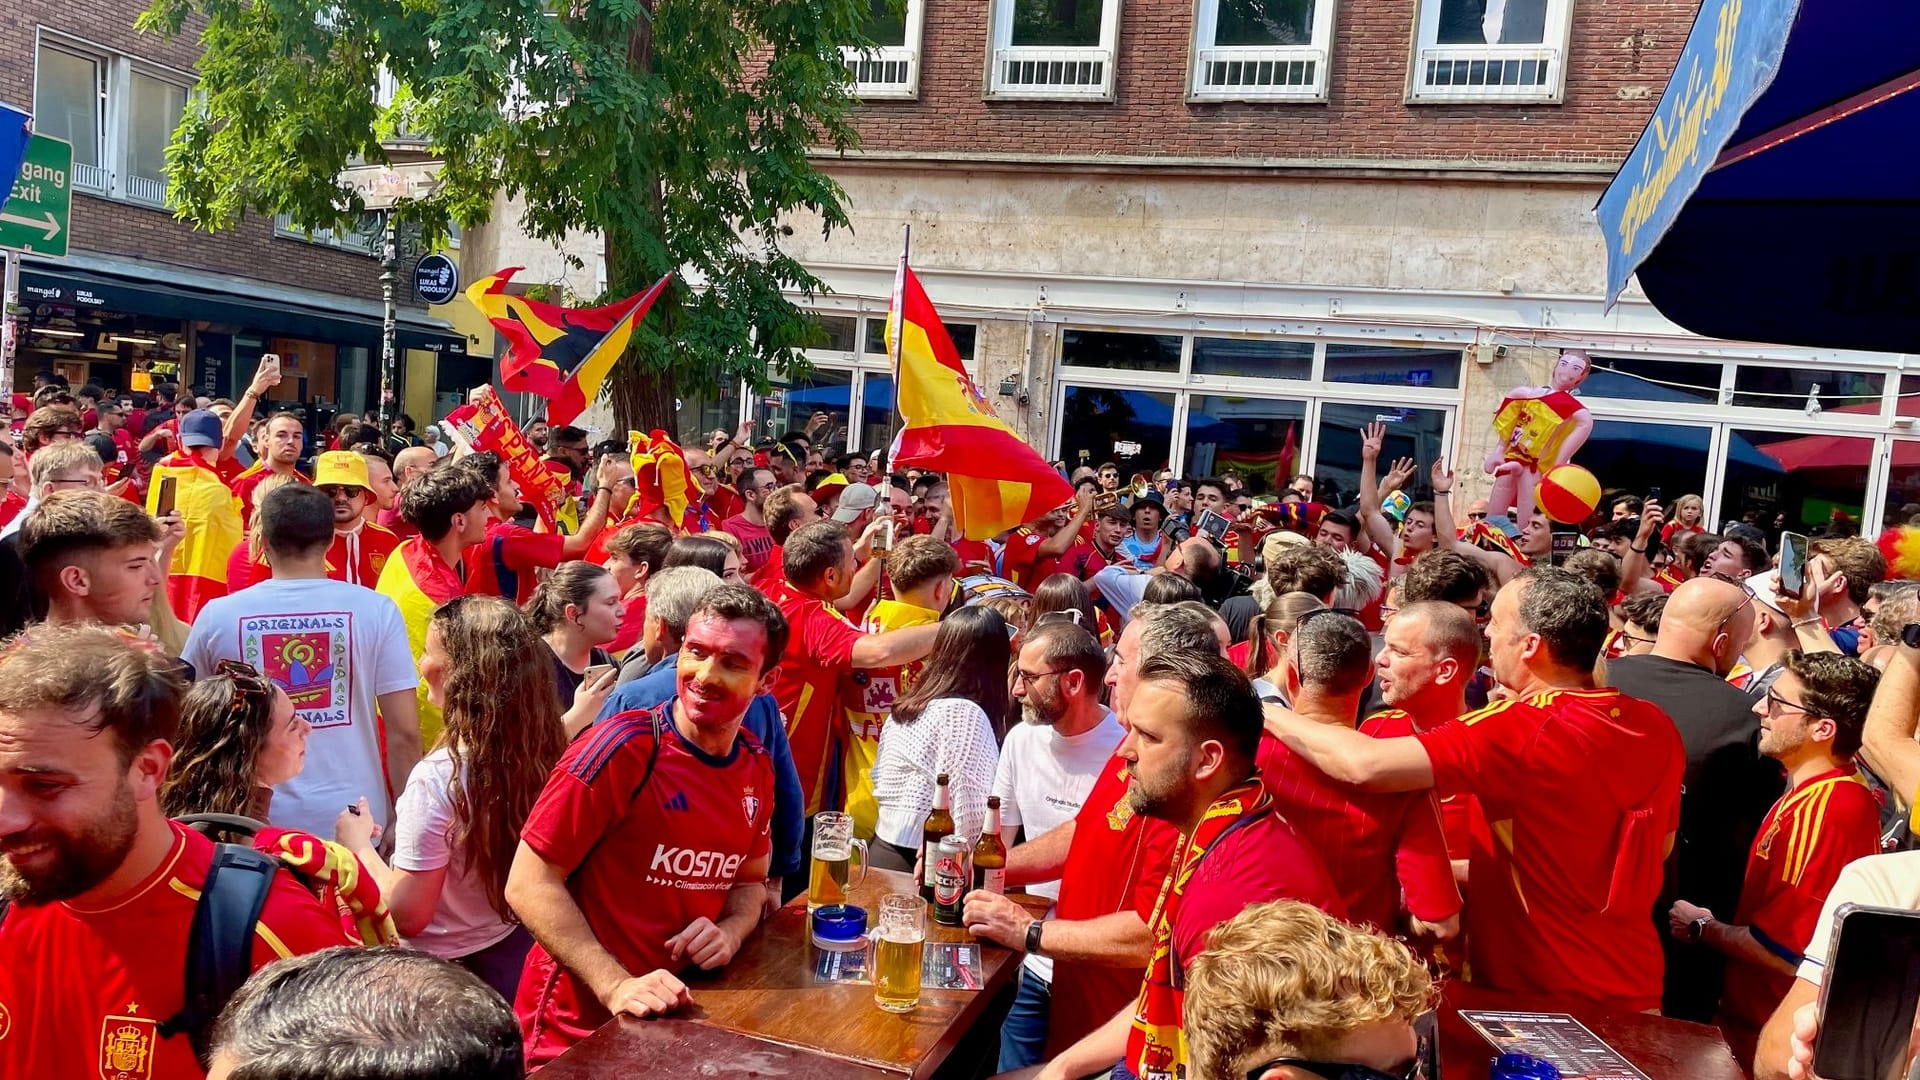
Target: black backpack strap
[220,944]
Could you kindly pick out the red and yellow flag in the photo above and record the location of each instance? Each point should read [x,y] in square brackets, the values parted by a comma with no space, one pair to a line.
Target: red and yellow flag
[198,572]
[660,478]
[559,353]
[995,479]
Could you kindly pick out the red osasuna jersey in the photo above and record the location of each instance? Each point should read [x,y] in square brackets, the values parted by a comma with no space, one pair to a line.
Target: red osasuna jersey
[1118,861]
[1805,840]
[646,854]
[819,652]
[1377,846]
[83,992]
[1581,791]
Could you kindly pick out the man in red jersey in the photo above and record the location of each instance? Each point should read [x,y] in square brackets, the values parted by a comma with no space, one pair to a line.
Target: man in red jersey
[407,464]
[285,439]
[1385,850]
[1194,730]
[1811,722]
[1110,862]
[784,511]
[749,525]
[647,852]
[360,547]
[102,886]
[823,648]
[1036,550]
[1581,791]
[503,563]
[1428,656]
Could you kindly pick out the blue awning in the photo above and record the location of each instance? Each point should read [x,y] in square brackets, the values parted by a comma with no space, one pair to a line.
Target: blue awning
[1775,195]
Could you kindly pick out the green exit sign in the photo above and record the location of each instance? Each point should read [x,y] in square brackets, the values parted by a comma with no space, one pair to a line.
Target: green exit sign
[38,209]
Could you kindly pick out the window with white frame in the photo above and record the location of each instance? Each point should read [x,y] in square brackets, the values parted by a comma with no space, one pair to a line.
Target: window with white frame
[890,66]
[1053,49]
[1491,50]
[1261,50]
[118,112]
[361,238]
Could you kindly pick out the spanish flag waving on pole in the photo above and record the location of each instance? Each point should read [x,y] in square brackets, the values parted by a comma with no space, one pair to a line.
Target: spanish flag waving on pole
[562,354]
[995,479]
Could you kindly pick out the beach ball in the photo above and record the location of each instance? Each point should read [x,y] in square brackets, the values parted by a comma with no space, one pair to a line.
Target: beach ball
[1567,494]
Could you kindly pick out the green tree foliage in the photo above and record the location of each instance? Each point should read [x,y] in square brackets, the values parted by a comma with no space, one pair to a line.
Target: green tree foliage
[678,129]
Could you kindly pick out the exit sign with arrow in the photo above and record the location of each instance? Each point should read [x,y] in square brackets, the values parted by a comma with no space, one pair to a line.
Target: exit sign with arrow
[36,213]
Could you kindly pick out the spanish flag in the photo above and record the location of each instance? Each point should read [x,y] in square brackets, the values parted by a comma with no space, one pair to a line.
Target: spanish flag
[660,478]
[211,510]
[995,479]
[559,353]
[418,581]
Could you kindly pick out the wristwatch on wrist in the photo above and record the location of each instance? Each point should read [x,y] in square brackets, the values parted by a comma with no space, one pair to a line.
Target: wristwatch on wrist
[1033,936]
[1698,927]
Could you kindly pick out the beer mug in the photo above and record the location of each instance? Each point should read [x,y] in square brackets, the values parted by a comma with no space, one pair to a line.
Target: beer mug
[833,846]
[899,937]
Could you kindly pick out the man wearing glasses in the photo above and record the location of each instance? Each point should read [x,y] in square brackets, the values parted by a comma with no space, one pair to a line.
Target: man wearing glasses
[50,424]
[1811,721]
[112,441]
[60,466]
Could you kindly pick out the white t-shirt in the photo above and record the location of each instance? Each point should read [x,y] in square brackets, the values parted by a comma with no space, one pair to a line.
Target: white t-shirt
[1043,780]
[465,922]
[334,648]
[1889,881]
[952,736]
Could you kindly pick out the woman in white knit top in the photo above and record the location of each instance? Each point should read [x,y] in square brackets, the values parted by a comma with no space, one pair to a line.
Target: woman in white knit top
[943,725]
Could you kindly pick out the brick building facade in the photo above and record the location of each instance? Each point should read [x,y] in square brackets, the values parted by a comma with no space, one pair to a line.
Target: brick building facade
[1214,234]
[142,297]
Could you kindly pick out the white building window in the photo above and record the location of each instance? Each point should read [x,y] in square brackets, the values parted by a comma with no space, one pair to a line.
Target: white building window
[362,239]
[119,113]
[890,67]
[1491,50]
[1053,49]
[69,102]
[1261,50]
[154,108]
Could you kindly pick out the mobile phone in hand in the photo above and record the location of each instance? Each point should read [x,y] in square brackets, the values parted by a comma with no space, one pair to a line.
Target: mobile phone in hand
[1793,563]
[594,672]
[270,363]
[1869,995]
[163,498]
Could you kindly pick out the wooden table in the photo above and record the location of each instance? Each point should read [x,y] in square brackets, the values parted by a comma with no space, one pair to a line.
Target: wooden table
[767,1001]
[1663,1049]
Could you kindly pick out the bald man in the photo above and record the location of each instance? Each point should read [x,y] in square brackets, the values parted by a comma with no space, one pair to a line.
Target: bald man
[1729,785]
[1196,559]
[408,464]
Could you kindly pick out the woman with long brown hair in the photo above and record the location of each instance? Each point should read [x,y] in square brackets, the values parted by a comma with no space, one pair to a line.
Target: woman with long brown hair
[458,822]
[239,736]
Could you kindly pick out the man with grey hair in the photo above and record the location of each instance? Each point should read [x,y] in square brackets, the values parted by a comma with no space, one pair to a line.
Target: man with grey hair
[346,1012]
[1385,850]
[673,595]
[65,466]
[1110,862]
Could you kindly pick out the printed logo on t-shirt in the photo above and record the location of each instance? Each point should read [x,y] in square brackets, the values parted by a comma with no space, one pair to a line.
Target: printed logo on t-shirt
[126,1046]
[6,1020]
[1121,813]
[678,802]
[691,868]
[309,657]
[751,804]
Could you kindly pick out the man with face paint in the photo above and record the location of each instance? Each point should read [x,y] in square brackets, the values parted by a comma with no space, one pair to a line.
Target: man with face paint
[620,893]
[102,886]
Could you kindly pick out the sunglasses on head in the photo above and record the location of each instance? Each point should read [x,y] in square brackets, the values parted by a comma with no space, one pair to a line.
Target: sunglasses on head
[247,681]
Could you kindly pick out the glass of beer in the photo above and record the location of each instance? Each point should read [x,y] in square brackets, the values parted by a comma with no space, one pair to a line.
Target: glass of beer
[899,937]
[833,847]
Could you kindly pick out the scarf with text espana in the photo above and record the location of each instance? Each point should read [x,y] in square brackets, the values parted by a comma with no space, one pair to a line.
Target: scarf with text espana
[1157,1045]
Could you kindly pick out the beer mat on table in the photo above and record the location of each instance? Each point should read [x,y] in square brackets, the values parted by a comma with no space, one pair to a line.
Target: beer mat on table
[840,967]
[949,966]
[1578,1053]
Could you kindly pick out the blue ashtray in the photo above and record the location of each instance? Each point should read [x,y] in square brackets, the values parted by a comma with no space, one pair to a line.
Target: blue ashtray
[840,927]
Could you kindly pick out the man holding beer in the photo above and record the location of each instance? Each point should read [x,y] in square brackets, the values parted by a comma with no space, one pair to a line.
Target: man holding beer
[622,888]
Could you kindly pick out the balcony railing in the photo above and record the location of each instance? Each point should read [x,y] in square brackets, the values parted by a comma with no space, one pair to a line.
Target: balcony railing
[145,190]
[1072,72]
[1488,73]
[95,178]
[1260,73]
[884,71]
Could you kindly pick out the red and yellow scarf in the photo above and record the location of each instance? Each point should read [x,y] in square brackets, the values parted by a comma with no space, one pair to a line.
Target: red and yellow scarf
[1157,1045]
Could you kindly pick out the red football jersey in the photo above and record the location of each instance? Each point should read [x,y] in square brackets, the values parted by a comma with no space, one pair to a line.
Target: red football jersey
[83,992]
[358,557]
[1805,840]
[1581,791]
[1117,862]
[820,644]
[249,478]
[1460,817]
[646,854]
[1377,846]
[504,563]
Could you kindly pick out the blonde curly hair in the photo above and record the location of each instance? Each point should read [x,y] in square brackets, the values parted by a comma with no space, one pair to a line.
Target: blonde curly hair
[1287,978]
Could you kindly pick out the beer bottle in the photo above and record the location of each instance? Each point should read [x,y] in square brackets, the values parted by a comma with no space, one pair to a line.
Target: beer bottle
[990,854]
[938,827]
